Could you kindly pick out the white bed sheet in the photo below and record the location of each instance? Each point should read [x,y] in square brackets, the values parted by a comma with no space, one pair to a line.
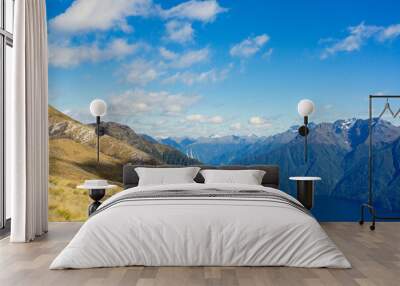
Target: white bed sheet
[200,231]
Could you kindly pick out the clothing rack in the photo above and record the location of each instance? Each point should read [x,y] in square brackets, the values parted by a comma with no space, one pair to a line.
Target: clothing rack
[369,205]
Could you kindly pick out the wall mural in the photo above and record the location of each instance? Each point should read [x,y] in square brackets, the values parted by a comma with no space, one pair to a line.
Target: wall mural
[218,82]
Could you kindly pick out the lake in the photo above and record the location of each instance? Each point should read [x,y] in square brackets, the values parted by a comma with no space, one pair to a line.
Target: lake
[335,209]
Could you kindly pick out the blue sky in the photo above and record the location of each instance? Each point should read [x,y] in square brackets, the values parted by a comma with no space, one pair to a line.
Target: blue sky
[200,68]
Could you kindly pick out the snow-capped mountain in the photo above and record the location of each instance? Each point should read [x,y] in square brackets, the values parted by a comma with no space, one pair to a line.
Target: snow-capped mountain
[338,152]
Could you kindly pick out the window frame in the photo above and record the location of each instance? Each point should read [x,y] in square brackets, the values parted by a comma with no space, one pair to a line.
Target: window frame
[6,39]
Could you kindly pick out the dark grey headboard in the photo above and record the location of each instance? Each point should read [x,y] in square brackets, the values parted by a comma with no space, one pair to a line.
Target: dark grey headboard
[271,177]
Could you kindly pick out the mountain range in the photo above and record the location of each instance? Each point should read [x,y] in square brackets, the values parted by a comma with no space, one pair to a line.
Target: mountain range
[338,153]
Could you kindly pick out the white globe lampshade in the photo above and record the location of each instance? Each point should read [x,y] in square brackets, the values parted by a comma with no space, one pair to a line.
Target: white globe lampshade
[305,107]
[98,107]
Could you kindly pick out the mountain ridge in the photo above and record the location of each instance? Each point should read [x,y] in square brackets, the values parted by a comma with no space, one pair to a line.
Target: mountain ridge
[338,152]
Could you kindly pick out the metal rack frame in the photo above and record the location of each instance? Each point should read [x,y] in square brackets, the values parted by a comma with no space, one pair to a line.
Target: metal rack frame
[369,204]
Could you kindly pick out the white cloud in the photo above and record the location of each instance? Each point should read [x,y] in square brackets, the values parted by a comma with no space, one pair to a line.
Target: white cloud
[353,42]
[67,111]
[65,55]
[235,126]
[358,36]
[92,15]
[204,11]
[390,33]
[258,121]
[120,48]
[267,55]
[190,78]
[200,118]
[133,102]
[216,119]
[250,46]
[191,57]
[185,59]
[141,72]
[180,32]
[167,54]
[196,118]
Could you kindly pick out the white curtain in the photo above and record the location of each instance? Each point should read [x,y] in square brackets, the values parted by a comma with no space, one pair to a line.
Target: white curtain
[28,123]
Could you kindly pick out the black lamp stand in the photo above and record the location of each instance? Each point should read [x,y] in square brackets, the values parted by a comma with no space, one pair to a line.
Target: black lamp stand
[303,131]
[99,132]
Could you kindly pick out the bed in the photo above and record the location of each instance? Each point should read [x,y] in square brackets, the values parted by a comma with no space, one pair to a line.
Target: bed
[197,224]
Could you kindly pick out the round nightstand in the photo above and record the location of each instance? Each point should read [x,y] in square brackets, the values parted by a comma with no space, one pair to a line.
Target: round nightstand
[97,190]
[305,190]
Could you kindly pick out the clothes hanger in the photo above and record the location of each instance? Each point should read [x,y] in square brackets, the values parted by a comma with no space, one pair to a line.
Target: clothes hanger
[397,113]
[387,107]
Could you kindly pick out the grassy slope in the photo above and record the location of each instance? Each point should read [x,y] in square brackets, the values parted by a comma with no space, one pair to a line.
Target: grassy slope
[73,160]
[62,126]
[70,164]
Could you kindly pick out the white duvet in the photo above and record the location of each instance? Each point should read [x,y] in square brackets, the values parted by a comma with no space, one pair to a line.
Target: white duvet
[200,231]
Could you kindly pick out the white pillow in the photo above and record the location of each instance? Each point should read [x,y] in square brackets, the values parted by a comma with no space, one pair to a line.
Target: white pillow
[248,177]
[166,176]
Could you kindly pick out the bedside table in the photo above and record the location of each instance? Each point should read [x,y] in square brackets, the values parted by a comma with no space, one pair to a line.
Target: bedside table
[305,190]
[97,190]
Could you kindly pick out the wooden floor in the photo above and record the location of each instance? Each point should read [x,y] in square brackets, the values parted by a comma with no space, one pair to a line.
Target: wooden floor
[375,257]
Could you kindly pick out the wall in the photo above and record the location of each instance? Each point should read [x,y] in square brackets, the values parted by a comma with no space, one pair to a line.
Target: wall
[218,83]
